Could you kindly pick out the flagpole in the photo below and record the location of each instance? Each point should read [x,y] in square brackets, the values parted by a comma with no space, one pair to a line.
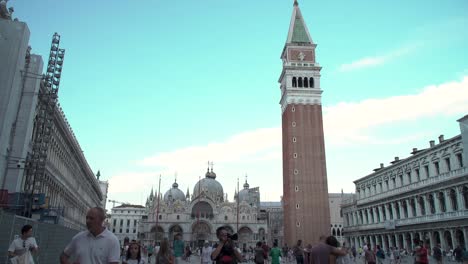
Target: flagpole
[237,224]
[198,217]
[157,209]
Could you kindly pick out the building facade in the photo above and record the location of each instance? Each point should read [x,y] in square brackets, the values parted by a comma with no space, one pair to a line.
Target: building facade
[305,190]
[104,185]
[423,197]
[43,172]
[196,217]
[336,216]
[125,221]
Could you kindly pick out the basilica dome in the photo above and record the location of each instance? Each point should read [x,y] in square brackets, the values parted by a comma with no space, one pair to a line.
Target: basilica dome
[174,193]
[210,187]
[244,194]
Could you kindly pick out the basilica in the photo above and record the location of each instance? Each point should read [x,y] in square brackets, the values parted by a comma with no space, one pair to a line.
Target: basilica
[196,217]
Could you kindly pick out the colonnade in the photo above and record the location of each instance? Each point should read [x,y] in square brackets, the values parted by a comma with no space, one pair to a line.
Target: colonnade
[433,202]
[448,239]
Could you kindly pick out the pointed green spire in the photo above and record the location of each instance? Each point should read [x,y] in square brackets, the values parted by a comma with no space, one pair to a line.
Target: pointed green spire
[298,32]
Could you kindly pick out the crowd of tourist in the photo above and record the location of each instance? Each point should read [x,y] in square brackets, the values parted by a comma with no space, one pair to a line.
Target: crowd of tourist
[97,245]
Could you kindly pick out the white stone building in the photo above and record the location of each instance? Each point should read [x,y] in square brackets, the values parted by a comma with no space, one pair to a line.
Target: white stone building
[197,216]
[423,197]
[336,217]
[43,171]
[125,221]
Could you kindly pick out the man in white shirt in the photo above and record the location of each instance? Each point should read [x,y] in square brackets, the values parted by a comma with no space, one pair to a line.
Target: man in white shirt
[97,245]
[22,247]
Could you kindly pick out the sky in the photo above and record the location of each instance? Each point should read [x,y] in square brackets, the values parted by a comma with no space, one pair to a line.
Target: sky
[156,87]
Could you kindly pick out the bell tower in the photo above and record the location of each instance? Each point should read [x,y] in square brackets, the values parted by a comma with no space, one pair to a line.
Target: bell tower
[305,190]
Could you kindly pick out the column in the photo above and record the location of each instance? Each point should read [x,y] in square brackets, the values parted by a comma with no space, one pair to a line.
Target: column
[381,219]
[411,241]
[400,207]
[418,208]
[387,211]
[454,240]
[436,203]
[392,207]
[459,192]
[465,235]
[427,206]
[397,243]
[431,240]
[408,207]
[369,215]
[448,205]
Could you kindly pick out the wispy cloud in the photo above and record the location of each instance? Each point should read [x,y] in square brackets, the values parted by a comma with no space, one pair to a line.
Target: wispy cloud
[367,62]
[352,121]
[260,150]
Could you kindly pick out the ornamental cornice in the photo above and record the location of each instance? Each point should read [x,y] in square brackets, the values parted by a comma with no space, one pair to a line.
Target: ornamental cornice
[423,157]
[300,96]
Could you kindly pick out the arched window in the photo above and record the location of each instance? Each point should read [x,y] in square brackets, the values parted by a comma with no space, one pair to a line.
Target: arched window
[405,209]
[294,82]
[453,199]
[338,232]
[300,82]
[225,217]
[333,232]
[311,82]
[306,83]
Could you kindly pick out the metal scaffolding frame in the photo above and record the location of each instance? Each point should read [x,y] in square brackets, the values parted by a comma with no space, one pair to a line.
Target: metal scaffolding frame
[47,102]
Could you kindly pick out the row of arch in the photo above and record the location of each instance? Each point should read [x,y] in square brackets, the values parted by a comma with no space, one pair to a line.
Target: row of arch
[448,239]
[303,82]
[441,201]
[337,232]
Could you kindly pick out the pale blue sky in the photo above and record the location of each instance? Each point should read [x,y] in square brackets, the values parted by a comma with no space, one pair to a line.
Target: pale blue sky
[168,79]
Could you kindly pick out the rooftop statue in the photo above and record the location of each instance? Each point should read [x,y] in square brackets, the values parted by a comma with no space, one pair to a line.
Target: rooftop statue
[5,12]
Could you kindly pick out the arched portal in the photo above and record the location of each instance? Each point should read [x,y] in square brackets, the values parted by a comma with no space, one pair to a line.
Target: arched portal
[245,237]
[460,238]
[448,239]
[201,231]
[157,233]
[174,230]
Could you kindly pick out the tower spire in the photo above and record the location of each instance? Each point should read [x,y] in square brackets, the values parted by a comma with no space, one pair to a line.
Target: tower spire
[298,31]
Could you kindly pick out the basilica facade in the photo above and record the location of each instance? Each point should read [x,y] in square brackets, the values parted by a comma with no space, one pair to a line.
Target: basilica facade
[196,217]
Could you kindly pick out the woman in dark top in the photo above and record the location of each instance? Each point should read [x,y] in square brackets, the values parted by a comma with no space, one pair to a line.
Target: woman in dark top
[259,258]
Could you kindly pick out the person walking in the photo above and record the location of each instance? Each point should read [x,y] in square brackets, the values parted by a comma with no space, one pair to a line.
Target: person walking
[164,255]
[275,253]
[134,254]
[21,248]
[97,245]
[206,253]
[298,252]
[259,257]
[437,253]
[369,256]
[178,248]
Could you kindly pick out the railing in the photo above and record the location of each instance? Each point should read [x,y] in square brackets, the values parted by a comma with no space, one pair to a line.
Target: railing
[433,218]
[414,186]
[454,215]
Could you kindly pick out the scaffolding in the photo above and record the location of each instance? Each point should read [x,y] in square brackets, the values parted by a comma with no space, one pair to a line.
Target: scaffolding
[47,102]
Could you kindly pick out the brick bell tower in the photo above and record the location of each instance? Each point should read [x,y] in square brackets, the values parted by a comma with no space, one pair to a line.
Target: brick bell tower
[305,190]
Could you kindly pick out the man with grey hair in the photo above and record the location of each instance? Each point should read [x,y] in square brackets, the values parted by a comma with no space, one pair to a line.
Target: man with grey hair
[97,245]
